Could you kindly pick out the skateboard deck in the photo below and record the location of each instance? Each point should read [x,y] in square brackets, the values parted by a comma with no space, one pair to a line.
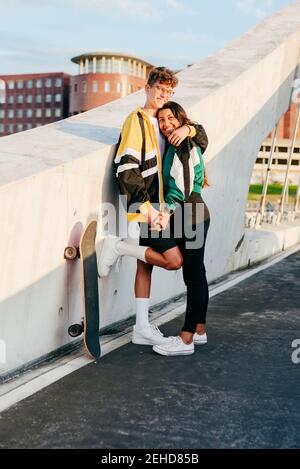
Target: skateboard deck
[90,296]
[90,289]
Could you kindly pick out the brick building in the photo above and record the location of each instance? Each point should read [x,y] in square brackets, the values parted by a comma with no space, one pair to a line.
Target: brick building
[31,100]
[104,77]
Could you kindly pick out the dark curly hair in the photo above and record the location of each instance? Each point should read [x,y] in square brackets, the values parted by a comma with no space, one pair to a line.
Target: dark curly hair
[177,112]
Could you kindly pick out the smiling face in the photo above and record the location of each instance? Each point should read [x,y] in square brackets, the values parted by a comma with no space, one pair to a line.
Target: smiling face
[167,122]
[157,95]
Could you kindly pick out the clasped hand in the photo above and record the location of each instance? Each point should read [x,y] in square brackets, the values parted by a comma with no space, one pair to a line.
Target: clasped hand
[159,220]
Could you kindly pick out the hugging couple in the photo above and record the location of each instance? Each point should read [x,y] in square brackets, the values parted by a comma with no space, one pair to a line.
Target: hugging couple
[160,170]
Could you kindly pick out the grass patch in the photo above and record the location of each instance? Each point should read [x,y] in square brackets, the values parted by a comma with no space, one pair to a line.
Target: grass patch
[273,189]
[273,193]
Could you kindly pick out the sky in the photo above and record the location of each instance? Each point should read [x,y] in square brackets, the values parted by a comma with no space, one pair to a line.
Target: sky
[43,35]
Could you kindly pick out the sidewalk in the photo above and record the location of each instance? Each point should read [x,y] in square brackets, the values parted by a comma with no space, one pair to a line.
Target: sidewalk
[241,390]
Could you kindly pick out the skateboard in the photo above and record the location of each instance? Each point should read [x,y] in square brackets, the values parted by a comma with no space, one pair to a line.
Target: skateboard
[90,323]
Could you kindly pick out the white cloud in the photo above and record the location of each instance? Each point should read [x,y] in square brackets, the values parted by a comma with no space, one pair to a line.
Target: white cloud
[174,4]
[258,8]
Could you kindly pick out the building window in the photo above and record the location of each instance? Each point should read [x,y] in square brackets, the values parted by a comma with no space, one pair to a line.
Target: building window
[48,98]
[1,129]
[28,126]
[2,91]
[108,66]
[38,124]
[10,114]
[282,149]
[11,85]
[20,84]
[130,88]
[38,98]
[29,99]
[75,88]
[58,98]
[47,112]
[98,66]
[106,86]
[104,65]
[11,99]
[58,82]
[20,113]
[90,66]
[125,68]
[20,99]
[84,87]
[57,112]
[10,128]
[95,86]
[119,87]
[295,162]
[48,83]
[1,113]
[19,127]
[38,113]
[29,84]
[39,83]
[28,112]
[282,161]
[116,66]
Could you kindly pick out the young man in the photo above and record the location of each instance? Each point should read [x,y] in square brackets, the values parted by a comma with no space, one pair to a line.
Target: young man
[139,172]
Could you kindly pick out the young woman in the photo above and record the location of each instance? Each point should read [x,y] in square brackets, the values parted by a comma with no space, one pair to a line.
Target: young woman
[184,177]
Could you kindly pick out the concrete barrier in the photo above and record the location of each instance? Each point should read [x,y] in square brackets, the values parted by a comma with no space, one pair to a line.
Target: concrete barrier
[53,178]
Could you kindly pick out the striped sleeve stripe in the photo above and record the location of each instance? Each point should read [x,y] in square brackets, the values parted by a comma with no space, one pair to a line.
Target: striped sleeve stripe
[126,166]
[150,154]
[129,152]
[149,171]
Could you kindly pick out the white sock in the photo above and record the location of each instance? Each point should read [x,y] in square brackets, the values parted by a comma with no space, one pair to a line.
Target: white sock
[142,312]
[127,249]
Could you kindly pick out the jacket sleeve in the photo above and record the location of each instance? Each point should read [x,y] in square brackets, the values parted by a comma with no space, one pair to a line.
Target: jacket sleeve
[200,139]
[128,160]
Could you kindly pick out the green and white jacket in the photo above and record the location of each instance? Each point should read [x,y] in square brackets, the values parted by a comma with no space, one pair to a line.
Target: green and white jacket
[183,172]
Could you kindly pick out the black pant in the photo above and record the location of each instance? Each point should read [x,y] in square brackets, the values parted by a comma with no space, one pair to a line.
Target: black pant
[194,275]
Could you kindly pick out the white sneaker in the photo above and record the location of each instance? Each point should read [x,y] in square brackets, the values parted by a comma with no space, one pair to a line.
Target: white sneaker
[150,335]
[108,255]
[176,346]
[200,339]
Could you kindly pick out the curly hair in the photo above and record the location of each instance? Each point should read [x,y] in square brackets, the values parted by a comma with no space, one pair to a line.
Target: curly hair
[162,75]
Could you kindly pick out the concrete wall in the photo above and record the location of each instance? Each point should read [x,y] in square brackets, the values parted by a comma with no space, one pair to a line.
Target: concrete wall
[53,178]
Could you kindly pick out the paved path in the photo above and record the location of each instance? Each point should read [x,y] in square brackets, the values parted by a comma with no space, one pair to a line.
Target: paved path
[241,390]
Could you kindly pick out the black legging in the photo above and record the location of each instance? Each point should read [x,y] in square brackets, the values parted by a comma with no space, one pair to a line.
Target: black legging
[194,275]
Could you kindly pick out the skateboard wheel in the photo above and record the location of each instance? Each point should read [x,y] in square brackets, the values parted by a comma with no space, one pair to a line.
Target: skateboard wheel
[75,330]
[71,252]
